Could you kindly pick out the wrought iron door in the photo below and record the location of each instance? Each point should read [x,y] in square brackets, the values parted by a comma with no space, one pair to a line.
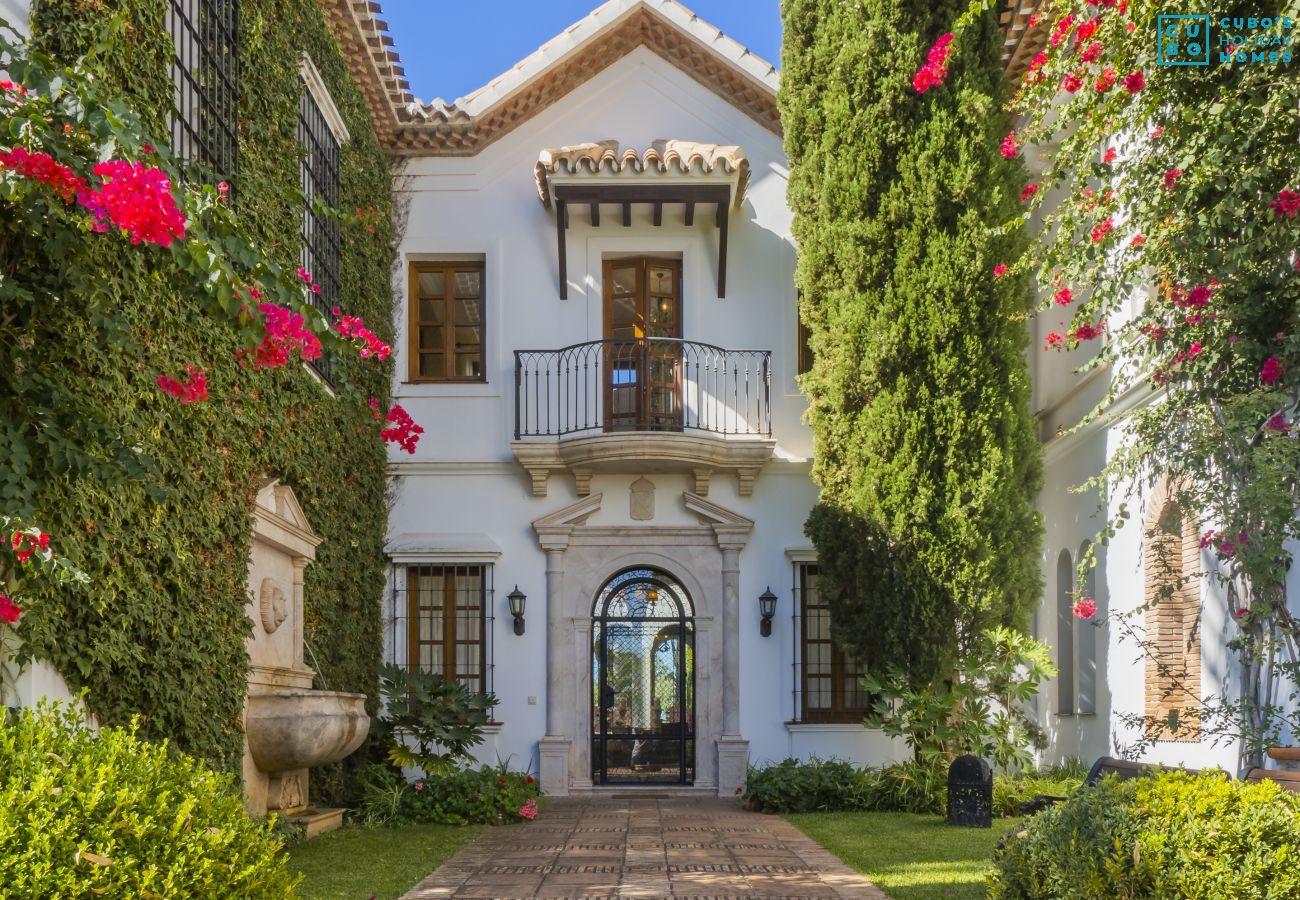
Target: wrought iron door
[643,682]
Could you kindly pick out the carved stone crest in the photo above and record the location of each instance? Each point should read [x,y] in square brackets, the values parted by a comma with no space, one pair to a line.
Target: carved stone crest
[642,499]
[274,605]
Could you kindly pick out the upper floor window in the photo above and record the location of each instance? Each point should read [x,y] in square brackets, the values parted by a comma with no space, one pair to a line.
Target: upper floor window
[829,681]
[805,349]
[204,70]
[321,132]
[447,321]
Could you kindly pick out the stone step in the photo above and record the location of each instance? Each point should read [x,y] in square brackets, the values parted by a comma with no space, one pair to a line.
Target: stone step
[319,821]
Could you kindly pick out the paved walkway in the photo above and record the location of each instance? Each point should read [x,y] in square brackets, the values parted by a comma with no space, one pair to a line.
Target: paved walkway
[624,847]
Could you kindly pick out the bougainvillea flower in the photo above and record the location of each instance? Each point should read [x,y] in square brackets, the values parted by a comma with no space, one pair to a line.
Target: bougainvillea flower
[286,334]
[935,69]
[1085,608]
[1092,52]
[1276,423]
[353,327]
[1087,30]
[1054,341]
[1134,82]
[999,270]
[1028,192]
[1271,372]
[1089,332]
[1063,26]
[42,167]
[1072,82]
[403,431]
[1105,80]
[1110,156]
[1102,228]
[1138,240]
[1171,179]
[137,199]
[1287,204]
[192,389]
[1063,297]
[9,611]
[1009,147]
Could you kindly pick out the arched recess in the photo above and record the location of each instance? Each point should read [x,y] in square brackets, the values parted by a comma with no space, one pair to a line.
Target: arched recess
[1171,579]
[1065,690]
[1087,632]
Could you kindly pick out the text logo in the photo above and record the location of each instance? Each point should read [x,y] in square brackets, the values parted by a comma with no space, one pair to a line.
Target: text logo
[1183,40]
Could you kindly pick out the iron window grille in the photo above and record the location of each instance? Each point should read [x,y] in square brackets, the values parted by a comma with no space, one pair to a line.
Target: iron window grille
[205,74]
[440,622]
[320,231]
[827,681]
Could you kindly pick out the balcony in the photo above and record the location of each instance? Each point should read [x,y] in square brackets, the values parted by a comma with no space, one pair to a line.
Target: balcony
[643,405]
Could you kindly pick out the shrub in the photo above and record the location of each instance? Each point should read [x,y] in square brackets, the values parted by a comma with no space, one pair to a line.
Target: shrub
[86,813]
[1009,791]
[491,795]
[1173,835]
[442,719]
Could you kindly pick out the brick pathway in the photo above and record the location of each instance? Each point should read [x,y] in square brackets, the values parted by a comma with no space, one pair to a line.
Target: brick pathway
[624,847]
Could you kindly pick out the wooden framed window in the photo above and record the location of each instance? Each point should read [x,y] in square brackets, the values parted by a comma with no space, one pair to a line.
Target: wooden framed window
[805,349]
[447,322]
[447,623]
[830,688]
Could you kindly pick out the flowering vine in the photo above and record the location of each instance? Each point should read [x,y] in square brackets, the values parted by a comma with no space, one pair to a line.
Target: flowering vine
[1167,206]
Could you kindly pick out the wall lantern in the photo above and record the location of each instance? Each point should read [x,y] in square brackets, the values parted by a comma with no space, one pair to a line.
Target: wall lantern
[517,599]
[767,609]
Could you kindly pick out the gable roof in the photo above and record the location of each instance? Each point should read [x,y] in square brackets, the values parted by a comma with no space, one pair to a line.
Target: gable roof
[613,30]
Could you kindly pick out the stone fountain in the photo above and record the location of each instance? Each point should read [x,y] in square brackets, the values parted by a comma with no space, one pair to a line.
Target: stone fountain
[288,726]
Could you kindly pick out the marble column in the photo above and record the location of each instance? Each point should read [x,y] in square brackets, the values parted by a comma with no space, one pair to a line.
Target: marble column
[553,750]
[733,749]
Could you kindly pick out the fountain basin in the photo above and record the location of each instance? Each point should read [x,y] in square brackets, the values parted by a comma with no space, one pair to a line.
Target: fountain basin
[300,729]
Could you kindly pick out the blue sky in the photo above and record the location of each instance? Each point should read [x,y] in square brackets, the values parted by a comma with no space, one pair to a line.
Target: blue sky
[448,49]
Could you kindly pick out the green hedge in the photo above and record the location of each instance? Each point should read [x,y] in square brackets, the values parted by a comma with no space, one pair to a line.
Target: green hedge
[832,785]
[1172,836]
[168,552]
[86,814]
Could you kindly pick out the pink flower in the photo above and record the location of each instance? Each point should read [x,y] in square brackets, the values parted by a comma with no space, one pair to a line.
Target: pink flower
[1198,297]
[1105,80]
[1009,148]
[136,199]
[353,327]
[1028,192]
[285,334]
[42,167]
[1134,82]
[1092,52]
[1102,228]
[25,544]
[192,390]
[528,810]
[1227,548]
[1276,423]
[1087,30]
[1054,341]
[1154,332]
[1062,28]
[10,87]
[1063,297]
[403,432]
[1072,82]
[1287,204]
[1272,370]
[935,69]
[1171,179]
[9,611]
[1157,131]
[1085,608]
[1110,156]
[999,270]
[1194,350]
[419,785]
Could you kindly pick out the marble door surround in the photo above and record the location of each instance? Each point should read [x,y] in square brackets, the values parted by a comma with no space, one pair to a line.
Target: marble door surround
[705,560]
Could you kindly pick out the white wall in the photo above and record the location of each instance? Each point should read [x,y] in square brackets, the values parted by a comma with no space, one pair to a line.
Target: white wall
[15,13]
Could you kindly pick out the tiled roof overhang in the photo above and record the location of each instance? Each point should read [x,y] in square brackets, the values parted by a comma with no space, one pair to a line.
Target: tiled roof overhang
[602,163]
[373,62]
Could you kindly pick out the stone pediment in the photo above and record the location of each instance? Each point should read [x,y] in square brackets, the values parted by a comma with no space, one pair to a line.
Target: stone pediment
[278,520]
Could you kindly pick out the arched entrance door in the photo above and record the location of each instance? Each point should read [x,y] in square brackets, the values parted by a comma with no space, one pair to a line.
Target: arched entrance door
[643,681]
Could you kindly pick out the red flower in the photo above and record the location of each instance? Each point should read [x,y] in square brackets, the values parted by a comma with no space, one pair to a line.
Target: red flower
[1111,155]
[137,199]
[1063,297]
[530,779]
[25,544]
[1272,370]
[191,390]
[353,327]
[403,432]
[1105,80]
[1155,332]
[9,611]
[1102,228]
[1029,191]
[1071,82]
[1062,28]
[1171,179]
[1085,608]
[286,334]
[42,167]
[1137,241]
[999,270]
[1276,423]
[1134,82]
[1092,52]
[1089,332]
[10,87]
[1287,204]
[1054,341]
[1009,148]
[1087,30]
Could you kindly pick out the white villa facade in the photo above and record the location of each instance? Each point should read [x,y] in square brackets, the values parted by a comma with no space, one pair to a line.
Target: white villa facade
[596,326]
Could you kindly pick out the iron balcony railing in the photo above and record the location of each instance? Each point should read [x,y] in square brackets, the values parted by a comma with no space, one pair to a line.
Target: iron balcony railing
[642,384]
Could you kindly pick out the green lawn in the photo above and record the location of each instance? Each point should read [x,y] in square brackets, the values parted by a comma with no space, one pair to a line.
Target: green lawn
[908,856]
[356,863]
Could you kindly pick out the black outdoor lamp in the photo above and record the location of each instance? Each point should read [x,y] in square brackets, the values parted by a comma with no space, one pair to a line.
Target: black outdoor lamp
[517,599]
[767,609]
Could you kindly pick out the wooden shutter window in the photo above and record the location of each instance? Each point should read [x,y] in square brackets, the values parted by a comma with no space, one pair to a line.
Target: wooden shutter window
[447,322]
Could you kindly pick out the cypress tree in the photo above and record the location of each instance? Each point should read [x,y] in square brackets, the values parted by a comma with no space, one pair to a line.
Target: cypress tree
[925,448]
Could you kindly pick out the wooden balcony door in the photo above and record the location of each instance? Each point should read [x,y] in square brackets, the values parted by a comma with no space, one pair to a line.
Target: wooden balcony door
[643,378]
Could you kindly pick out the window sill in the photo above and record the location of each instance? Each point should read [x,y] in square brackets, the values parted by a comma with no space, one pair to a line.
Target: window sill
[442,389]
